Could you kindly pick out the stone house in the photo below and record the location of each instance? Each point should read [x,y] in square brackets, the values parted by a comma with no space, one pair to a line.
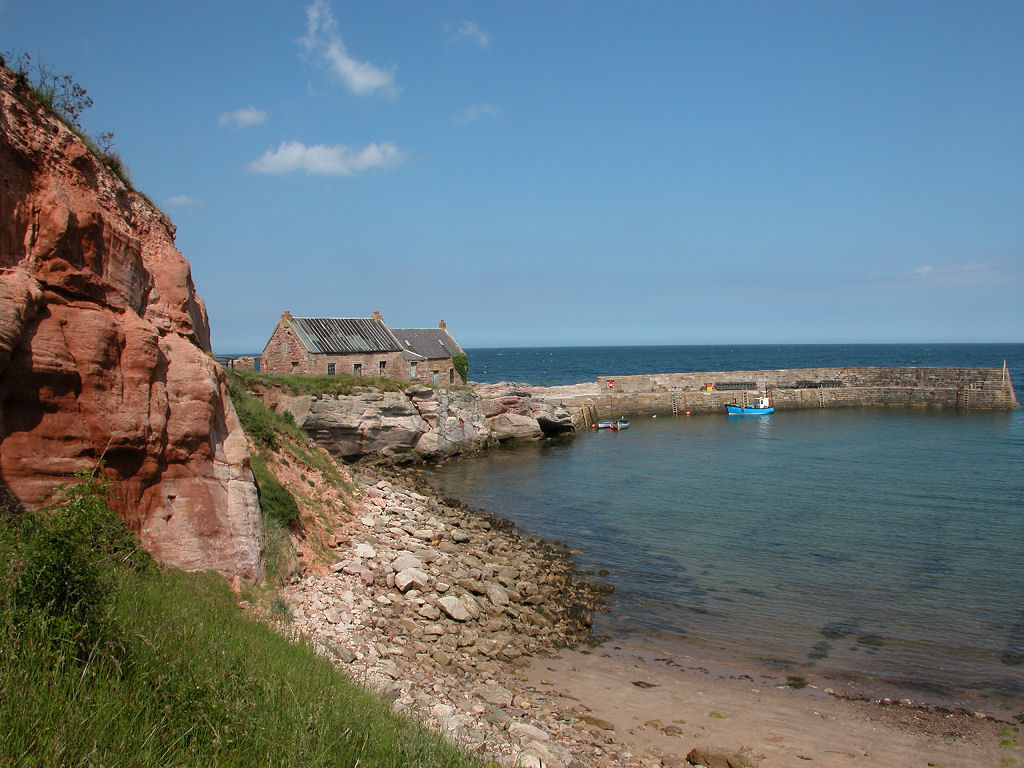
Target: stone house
[361,346]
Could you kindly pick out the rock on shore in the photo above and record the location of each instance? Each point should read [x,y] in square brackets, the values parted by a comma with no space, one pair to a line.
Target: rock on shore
[422,422]
[437,607]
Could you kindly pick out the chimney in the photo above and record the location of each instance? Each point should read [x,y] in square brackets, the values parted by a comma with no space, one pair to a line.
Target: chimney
[442,325]
[286,315]
[378,316]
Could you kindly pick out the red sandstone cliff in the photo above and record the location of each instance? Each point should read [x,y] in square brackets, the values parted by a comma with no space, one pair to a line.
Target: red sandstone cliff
[104,351]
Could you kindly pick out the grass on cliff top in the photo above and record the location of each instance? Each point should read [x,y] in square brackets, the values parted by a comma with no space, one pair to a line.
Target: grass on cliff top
[110,660]
[271,430]
[324,385]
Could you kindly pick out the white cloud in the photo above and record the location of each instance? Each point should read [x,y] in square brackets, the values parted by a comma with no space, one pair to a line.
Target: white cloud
[323,44]
[476,112]
[966,273]
[469,32]
[183,201]
[242,118]
[324,160]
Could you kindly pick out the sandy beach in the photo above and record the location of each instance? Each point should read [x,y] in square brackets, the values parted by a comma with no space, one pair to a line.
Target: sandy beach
[661,712]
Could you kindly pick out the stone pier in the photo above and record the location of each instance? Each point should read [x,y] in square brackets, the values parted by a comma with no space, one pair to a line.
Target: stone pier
[790,389]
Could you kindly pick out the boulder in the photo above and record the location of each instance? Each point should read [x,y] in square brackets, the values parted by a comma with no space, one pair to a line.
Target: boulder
[411,578]
[404,561]
[714,757]
[514,426]
[452,606]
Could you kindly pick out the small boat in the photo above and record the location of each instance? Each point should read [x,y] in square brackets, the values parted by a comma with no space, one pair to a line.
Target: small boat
[762,407]
[621,423]
[605,424]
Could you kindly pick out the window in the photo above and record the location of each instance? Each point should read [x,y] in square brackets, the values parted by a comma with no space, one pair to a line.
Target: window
[412,370]
[383,366]
[436,376]
[451,375]
[330,369]
[357,369]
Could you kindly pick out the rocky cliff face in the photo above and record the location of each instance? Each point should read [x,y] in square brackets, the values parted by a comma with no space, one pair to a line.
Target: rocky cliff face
[421,423]
[104,353]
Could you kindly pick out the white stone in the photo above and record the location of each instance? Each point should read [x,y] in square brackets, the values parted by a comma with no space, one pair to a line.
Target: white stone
[410,578]
[524,732]
[404,561]
[494,694]
[470,604]
[452,606]
[497,595]
[365,550]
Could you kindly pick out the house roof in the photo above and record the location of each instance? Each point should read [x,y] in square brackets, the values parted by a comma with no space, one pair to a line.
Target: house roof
[427,343]
[339,335]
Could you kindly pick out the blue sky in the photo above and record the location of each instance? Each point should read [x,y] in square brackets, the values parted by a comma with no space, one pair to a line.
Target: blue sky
[559,173]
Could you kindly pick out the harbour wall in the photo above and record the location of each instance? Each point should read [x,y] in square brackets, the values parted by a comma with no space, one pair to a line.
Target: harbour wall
[797,388]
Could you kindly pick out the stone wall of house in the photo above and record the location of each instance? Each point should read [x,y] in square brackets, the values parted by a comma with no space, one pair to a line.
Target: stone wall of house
[285,353]
[425,369]
[368,362]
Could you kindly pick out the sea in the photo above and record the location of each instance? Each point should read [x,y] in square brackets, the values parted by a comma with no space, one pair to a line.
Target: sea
[876,552]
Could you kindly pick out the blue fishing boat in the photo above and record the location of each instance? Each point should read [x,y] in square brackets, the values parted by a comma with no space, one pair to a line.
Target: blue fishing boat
[605,424]
[621,423]
[762,407]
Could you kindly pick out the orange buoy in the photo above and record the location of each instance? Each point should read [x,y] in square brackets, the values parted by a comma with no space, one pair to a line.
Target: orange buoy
[687,413]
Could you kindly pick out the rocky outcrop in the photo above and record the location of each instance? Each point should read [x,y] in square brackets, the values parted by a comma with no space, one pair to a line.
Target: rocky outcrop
[105,353]
[416,423]
[421,422]
[519,415]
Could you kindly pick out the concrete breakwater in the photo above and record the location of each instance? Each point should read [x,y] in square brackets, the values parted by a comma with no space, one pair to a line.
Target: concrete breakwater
[794,388]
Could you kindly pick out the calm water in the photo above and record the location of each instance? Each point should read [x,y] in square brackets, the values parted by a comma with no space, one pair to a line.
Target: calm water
[881,546]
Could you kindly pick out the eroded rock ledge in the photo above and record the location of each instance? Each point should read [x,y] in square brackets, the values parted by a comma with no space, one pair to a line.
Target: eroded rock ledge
[425,423]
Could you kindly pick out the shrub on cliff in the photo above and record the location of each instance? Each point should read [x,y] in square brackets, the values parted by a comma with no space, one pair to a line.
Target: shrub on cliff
[461,364]
[277,501]
[62,563]
[263,425]
[68,100]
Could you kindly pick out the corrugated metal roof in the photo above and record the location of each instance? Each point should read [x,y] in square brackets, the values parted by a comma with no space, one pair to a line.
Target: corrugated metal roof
[339,335]
[431,343]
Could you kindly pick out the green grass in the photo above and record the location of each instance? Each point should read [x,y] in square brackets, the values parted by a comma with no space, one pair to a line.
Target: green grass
[271,430]
[329,385]
[277,502]
[164,670]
